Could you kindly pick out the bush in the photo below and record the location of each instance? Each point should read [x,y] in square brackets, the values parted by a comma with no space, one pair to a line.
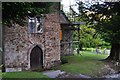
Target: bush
[63,60]
[108,47]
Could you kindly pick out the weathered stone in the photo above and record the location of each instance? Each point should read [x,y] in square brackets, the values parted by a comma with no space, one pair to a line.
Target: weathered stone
[19,43]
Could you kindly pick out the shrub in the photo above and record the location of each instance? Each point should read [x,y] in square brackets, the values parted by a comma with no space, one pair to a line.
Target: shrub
[63,60]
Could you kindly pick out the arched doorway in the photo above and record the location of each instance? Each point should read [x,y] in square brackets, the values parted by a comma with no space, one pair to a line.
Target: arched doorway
[36,58]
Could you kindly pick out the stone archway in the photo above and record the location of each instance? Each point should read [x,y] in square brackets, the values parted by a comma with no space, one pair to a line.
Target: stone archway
[36,58]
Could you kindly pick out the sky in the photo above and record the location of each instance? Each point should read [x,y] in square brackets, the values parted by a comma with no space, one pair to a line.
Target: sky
[67,3]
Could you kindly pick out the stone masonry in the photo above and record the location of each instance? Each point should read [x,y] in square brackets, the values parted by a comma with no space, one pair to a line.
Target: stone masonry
[18,43]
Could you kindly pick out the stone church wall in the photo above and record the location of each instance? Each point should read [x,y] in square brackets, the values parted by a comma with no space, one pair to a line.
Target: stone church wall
[18,43]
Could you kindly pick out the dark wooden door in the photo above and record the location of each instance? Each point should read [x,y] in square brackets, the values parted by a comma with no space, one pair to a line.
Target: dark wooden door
[36,57]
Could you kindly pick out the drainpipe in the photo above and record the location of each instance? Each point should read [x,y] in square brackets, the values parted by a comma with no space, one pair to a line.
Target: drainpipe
[0,36]
[2,39]
[3,54]
[78,40]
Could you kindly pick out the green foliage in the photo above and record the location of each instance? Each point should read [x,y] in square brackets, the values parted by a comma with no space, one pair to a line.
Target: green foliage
[107,16]
[64,60]
[0,74]
[89,36]
[106,20]
[16,12]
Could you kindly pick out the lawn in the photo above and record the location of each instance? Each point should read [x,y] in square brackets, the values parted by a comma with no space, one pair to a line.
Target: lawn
[88,63]
[23,74]
[0,74]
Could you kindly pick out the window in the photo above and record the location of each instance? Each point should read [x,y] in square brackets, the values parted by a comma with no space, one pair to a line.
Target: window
[39,25]
[31,25]
[35,25]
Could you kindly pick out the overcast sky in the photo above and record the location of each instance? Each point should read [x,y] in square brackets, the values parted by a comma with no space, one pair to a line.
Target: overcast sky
[67,3]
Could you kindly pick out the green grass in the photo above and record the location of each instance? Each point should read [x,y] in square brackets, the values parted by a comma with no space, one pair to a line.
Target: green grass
[23,74]
[88,63]
[0,74]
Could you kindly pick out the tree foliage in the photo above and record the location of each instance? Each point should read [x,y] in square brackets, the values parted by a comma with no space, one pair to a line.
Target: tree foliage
[89,36]
[104,18]
[107,16]
[16,12]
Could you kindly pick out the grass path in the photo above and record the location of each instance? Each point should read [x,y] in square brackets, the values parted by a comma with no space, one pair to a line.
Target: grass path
[88,63]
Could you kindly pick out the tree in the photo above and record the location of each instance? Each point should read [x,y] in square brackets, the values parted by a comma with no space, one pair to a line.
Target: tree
[89,37]
[16,12]
[106,17]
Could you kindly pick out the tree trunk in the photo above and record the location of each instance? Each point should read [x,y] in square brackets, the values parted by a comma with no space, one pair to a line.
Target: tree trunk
[115,52]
